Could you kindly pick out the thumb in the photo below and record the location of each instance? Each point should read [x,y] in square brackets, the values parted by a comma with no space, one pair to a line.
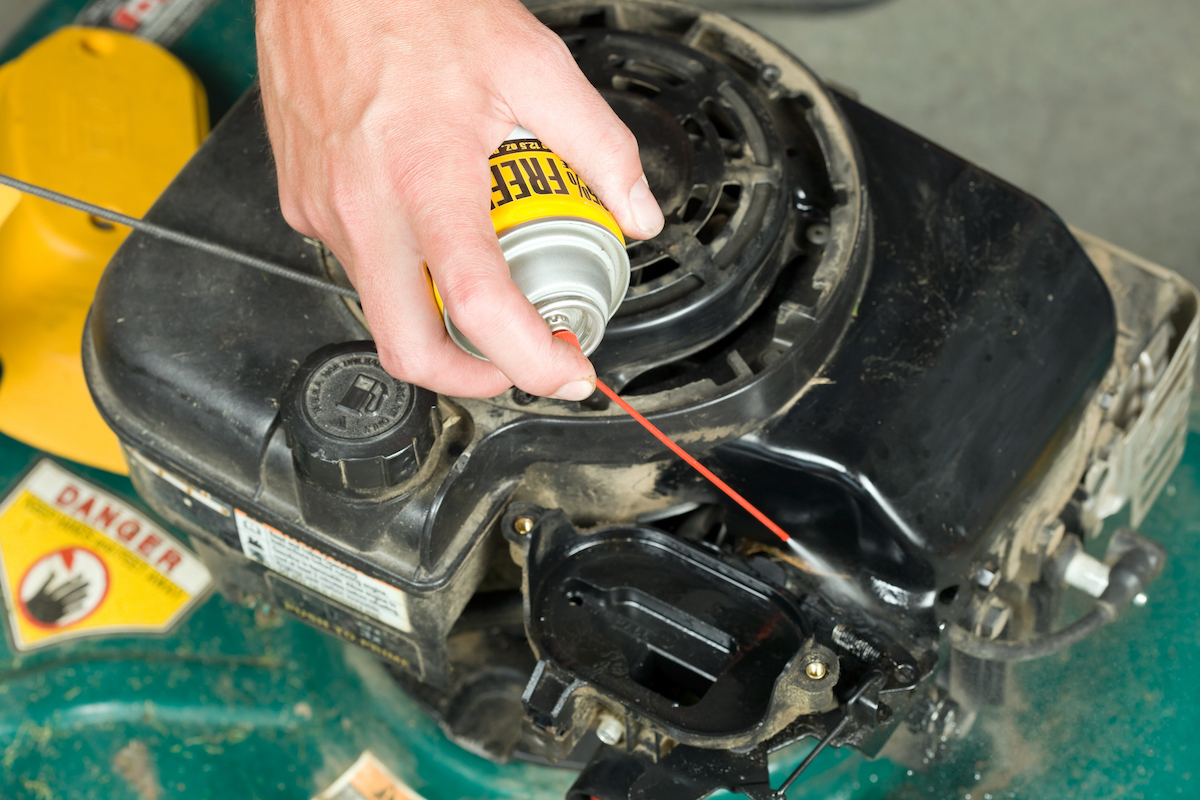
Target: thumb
[567,113]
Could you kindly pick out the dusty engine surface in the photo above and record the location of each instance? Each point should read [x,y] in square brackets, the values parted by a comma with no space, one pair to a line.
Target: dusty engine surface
[933,384]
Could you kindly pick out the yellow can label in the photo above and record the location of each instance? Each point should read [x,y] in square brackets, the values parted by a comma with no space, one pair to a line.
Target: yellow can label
[530,182]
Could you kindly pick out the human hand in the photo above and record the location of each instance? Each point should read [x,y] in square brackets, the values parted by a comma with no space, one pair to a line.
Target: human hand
[382,115]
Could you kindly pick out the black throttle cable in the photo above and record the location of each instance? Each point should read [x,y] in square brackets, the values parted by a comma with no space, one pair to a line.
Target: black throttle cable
[1132,573]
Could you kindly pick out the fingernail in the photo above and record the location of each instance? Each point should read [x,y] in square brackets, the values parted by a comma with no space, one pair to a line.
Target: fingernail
[646,213]
[575,390]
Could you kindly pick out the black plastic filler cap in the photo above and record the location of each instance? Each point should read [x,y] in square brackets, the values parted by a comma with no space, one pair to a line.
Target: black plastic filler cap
[351,425]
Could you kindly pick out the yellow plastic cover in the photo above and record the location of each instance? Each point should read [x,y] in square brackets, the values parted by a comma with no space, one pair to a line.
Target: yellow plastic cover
[108,118]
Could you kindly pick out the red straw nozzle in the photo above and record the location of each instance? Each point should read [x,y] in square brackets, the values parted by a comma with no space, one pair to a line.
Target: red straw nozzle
[567,336]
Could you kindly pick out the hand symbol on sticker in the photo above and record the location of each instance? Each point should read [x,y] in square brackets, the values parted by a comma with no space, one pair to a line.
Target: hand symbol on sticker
[50,605]
[63,587]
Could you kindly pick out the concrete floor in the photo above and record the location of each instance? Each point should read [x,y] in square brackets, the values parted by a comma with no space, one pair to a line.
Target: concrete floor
[1091,105]
[13,14]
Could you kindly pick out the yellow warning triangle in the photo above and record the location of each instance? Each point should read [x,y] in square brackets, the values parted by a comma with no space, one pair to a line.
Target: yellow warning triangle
[76,561]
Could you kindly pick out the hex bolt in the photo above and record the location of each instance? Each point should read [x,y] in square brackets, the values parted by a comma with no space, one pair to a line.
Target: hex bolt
[905,674]
[991,617]
[609,729]
[815,670]
[523,525]
[986,578]
[817,233]
[770,73]
[942,717]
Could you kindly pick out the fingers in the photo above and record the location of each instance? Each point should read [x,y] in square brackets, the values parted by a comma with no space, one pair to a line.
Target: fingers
[456,236]
[393,175]
[555,101]
[404,319]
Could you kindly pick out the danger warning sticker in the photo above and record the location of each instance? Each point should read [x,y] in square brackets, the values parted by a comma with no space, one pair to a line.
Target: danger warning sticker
[75,561]
[368,779]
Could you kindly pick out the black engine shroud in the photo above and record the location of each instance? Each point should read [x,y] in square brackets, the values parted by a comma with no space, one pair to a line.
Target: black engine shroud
[879,344]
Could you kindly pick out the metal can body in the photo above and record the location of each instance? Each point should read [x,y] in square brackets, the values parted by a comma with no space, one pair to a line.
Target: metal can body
[564,250]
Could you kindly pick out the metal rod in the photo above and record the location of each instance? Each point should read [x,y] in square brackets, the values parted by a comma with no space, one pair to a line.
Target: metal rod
[170,235]
[781,793]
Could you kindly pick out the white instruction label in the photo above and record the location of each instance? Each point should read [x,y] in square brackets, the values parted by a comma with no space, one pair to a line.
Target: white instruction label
[318,571]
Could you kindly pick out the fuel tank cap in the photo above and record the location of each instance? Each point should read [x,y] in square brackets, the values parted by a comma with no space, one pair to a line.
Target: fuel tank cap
[352,426]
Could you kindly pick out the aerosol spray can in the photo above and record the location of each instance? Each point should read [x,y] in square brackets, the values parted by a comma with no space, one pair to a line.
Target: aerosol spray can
[564,250]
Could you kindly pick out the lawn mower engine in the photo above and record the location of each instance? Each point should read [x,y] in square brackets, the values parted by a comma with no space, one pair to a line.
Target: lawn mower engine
[935,386]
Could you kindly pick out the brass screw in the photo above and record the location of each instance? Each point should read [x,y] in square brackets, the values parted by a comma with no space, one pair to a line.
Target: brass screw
[815,670]
[523,525]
